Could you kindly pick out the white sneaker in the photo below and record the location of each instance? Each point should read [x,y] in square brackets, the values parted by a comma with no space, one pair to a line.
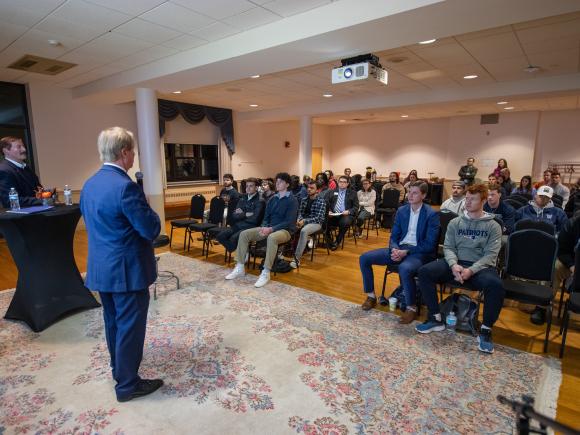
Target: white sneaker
[311,243]
[263,279]
[238,271]
[295,264]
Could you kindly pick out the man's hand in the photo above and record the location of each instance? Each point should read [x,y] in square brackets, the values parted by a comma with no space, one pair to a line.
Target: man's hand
[572,269]
[345,213]
[238,211]
[265,231]
[398,254]
[300,223]
[466,274]
[457,270]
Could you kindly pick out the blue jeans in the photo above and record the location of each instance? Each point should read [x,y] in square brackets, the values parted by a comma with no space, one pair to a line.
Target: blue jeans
[486,280]
[407,271]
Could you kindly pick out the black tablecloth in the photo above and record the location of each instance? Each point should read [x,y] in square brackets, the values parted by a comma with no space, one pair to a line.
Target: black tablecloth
[435,194]
[49,283]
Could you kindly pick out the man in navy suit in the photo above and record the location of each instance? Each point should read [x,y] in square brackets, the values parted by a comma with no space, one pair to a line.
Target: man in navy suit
[413,243]
[15,173]
[121,265]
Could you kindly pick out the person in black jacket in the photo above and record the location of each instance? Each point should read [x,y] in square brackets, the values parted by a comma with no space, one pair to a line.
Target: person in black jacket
[497,207]
[467,172]
[247,214]
[568,239]
[343,206]
[15,173]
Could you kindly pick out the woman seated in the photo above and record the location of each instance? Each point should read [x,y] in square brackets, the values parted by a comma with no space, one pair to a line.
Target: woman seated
[525,188]
[394,183]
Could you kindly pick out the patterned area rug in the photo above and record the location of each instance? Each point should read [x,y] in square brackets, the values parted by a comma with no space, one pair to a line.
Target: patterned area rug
[236,359]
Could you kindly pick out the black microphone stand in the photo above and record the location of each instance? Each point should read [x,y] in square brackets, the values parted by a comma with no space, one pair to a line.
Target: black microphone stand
[525,412]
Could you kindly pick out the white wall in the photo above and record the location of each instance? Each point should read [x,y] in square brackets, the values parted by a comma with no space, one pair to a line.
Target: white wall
[65,133]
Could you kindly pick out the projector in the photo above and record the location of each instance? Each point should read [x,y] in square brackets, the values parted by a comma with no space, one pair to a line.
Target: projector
[359,71]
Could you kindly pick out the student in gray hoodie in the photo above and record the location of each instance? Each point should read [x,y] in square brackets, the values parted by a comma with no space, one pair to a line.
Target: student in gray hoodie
[471,247]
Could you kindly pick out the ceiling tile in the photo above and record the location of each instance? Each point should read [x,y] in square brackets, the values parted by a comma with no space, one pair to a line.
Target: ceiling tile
[252,18]
[10,32]
[177,17]
[502,46]
[184,42]
[446,54]
[140,29]
[215,31]
[552,31]
[64,28]
[217,9]
[83,13]
[287,8]
[567,59]
[36,42]
[106,48]
[27,12]
[130,7]
[144,56]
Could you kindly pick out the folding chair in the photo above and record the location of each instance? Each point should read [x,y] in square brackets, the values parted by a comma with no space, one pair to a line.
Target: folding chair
[196,208]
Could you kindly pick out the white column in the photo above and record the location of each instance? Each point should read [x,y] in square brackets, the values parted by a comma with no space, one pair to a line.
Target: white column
[150,150]
[305,152]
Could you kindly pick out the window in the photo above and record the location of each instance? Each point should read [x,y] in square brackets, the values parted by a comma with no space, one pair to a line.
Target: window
[191,162]
[14,115]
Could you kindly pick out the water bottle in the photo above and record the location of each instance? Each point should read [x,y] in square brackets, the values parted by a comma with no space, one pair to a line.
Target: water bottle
[67,195]
[451,321]
[14,201]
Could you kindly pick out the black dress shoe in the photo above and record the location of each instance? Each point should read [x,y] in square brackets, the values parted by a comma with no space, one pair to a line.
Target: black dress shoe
[144,387]
[538,317]
[333,246]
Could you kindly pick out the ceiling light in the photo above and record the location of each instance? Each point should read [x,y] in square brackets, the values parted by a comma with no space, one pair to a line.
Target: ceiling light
[342,120]
[428,41]
[257,76]
[532,68]
[404,116]
[471,76]
[327,95]
[176,92]
[509,108]
[253,105]
[501,103]
[53,42]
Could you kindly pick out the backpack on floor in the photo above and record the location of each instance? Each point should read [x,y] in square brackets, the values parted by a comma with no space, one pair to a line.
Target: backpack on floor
[466,310]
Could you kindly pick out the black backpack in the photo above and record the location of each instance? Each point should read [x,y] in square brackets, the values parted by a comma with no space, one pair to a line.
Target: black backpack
[466,310]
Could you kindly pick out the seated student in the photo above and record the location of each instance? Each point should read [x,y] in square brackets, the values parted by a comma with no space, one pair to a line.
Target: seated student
[492,179]
[456,203]
[394,183]
[507,183]
[497,207]
[248,211]
[468,172]
[331,181]
[546,180]
[347,172]
[343,205]
[471,247]
[311,216]
[267,190]
[525,188]
[559,188]
[413,243]
[277,226]
[411,178]
[297,189]
[356,182]
[229,192]
[500,182]
[322,186]
[366,201]
[568,239]
[541,208]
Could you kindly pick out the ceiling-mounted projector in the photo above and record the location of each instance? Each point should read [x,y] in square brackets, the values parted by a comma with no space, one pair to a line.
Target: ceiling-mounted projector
[360,68]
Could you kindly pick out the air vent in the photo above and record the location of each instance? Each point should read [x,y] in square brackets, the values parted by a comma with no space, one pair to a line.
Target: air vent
[41,65]
[489,118]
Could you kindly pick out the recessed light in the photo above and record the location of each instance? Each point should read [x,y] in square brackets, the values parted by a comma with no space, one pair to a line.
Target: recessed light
[532,69]
[428,41]
[471,76]
[53,42]
[256,76]
[342,120]
[176,92]
[509,108]
[501,103]
[404,116]
[327,95]
[253,105]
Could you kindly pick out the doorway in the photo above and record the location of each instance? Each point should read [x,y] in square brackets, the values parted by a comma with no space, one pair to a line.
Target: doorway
[316,160]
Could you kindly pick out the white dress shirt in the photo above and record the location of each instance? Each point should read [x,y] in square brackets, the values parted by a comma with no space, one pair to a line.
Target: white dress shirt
[411,236]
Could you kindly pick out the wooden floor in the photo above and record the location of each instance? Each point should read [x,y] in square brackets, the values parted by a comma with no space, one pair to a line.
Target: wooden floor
[338,275]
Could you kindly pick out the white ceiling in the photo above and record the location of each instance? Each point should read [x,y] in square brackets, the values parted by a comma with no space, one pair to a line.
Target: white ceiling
[199,46]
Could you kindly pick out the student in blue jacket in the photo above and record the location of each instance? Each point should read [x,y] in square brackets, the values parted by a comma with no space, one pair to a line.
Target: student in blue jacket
[413,243]
[541,208]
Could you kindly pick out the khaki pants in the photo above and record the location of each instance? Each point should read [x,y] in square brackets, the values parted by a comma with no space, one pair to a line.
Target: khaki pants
[253,235]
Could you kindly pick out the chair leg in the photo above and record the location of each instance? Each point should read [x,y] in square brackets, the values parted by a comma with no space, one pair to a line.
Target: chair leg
[171,236]
[385,282]
[565,330]
[562,291]
[548,326]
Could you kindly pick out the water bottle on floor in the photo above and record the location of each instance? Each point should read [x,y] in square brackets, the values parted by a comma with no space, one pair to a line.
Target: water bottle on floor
[67,195]
[451,321]
[14,201]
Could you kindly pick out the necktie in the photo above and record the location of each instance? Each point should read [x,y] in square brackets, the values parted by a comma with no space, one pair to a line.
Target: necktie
[339,208]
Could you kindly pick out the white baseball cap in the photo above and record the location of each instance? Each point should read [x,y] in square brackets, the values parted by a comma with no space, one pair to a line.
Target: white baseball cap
[545,191]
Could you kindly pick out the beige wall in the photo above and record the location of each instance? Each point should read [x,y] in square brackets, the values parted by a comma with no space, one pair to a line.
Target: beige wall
[181,131]
[65,133]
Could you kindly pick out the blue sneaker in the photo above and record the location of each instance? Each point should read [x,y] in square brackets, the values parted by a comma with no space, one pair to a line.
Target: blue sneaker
[485,344]
[430,325]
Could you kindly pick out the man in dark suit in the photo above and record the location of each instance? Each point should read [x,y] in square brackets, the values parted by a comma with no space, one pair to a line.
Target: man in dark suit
[248,214]
[413,243]
[343,205]
[15,173]
[121,264]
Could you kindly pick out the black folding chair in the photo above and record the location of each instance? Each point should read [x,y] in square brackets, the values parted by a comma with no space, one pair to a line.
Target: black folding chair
[529,277]
[514,203]
[522,198]
[196,209]
[573,302]
[445,216]
[215,219]
[323,231]
[212,233]
[557,200]
[389,205]
[531,224]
